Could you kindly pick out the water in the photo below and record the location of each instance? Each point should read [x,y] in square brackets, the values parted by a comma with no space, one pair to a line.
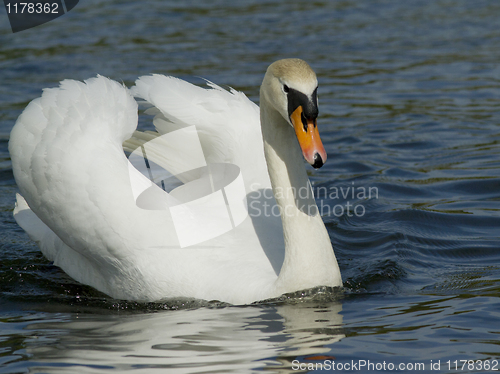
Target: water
[409,110]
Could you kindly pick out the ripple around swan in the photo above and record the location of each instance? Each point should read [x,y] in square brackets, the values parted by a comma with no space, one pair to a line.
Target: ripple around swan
[413,248]
[412,236]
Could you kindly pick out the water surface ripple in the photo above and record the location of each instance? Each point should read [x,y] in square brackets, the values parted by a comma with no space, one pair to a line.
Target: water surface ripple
[409,114]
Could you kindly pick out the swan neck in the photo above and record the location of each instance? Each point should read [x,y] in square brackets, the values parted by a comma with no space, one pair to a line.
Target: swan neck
[309,257]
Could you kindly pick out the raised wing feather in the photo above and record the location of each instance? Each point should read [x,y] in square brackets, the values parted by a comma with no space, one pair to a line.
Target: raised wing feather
[67,158]
[227,122]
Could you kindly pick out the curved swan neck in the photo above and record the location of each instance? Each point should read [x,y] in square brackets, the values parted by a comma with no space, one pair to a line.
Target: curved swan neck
[309,257]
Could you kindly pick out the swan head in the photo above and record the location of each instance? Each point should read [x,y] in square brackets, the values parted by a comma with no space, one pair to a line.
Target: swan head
[290,86]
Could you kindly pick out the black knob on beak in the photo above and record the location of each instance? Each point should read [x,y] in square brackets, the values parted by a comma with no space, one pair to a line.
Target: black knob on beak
[318,161]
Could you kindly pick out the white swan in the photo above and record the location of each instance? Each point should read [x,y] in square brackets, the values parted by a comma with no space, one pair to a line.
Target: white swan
[78,205]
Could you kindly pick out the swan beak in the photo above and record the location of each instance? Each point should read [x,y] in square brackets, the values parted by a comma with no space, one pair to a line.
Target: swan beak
[308,136]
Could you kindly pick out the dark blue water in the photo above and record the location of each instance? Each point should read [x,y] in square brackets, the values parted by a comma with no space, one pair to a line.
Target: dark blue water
[409,111]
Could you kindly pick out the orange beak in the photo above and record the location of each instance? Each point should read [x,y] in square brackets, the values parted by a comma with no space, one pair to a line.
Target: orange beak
[308,137]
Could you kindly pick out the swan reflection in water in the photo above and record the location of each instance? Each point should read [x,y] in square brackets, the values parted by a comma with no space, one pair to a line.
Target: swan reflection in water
[235,339]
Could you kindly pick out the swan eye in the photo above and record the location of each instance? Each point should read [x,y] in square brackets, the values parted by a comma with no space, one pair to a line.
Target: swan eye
[286,89]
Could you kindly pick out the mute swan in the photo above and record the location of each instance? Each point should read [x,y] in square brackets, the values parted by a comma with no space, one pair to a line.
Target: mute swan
[77,201]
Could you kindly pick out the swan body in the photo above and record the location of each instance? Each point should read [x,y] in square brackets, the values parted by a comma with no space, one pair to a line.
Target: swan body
[76,187]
